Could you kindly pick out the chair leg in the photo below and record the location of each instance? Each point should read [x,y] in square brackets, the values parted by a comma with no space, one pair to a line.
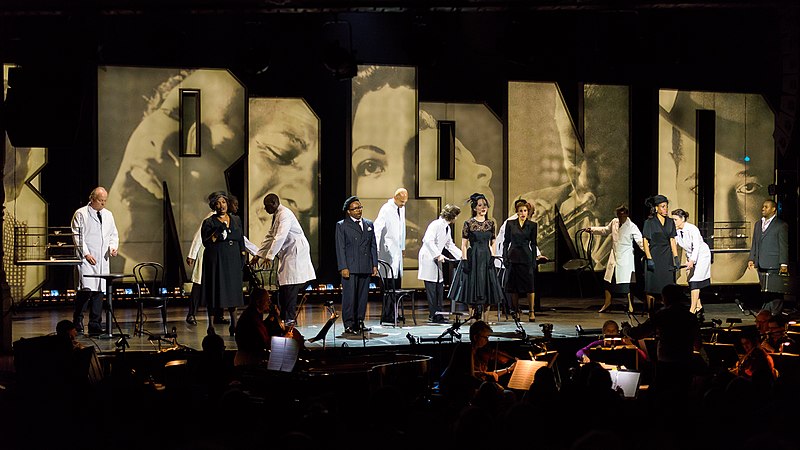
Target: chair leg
[164,317]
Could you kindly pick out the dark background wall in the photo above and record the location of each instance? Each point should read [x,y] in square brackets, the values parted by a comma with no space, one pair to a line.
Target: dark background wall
[464,51]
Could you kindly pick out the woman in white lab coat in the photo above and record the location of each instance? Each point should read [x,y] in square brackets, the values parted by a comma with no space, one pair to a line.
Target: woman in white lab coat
[698,258]
[620,269]
[437,238]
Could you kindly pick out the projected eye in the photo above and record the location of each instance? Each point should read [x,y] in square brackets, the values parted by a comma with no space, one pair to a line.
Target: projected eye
[281,156]
[748,188]
[370,168]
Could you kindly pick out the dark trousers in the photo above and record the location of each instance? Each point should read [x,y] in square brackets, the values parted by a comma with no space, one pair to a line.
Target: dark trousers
[287,299]
[355,291]
[435,293]
[771,301]
[94,300]
[194,298]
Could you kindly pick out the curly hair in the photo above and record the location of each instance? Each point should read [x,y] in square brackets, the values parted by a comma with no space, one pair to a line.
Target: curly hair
[450,212]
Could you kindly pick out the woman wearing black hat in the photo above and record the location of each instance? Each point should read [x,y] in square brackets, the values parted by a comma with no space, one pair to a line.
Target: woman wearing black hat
[475,281]
[660,248]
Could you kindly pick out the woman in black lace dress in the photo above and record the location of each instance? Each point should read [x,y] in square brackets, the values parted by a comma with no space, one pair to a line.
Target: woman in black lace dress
[475,282]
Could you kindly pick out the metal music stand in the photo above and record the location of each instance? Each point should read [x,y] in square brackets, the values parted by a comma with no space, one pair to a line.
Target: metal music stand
[109,277]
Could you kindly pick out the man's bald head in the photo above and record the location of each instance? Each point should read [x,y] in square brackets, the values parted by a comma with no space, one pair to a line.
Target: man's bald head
[400,197]
[271,203]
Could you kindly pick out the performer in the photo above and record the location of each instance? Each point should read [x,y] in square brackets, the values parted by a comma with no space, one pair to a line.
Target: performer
[286,241]
[519,240]
[499,248]
[223,260]
[769,250]
[97,240]
[620,269]
[437,239]
[390,235]
[475,282]
[357,260]
[698,258]
[660,249]
[195,260]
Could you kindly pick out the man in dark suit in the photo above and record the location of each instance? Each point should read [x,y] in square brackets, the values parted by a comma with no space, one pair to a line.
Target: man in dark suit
[769,251]
[357,261]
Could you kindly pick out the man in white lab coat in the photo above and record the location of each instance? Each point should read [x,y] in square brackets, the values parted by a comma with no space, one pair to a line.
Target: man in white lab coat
[97,240]
[286,241]
[437,239]
[390,237]
[620,269]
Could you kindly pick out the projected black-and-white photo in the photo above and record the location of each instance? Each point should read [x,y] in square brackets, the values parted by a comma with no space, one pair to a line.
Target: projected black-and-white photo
[744,168]
[551,169]
[478,155]
[283,159]
[23,208]
[138,137]
[384,143]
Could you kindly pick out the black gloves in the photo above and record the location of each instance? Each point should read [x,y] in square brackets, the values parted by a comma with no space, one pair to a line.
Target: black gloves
[465,266]
[676,262]
[651,266]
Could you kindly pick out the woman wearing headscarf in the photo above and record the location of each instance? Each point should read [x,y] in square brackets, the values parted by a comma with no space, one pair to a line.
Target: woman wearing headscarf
[660,248]
[224,258]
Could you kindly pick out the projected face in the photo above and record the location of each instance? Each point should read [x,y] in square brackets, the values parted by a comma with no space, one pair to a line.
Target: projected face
[383,141]
[151,156]
[283,159]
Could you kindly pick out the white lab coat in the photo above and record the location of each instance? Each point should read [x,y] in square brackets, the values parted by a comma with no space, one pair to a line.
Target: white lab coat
[436,239]
[96,239]
[620,261]
[286,241]
[690,239]
[501,237]
[390,235]
[195,252]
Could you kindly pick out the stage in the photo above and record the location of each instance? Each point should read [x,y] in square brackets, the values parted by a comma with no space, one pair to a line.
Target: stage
[564,313]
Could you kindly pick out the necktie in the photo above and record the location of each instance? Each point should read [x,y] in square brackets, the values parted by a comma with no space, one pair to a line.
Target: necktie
[763,226]
[99,217]
[681,234]
[398,211]
[359,225]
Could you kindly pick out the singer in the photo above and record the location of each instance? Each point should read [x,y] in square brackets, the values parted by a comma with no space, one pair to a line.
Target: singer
[437,239]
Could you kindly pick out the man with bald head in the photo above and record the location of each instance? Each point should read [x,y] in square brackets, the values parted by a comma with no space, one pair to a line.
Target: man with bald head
[390,237]
[96,240]
[287,242]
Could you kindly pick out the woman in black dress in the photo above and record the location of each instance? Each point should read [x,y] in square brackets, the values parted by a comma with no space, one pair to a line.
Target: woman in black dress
[660,249]
[223,260]
[519,246]
[475,281]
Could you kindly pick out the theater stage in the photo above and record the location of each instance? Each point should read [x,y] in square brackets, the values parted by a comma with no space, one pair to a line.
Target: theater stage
[565,314]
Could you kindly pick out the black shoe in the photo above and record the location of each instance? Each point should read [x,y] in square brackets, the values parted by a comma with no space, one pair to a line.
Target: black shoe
[78,327]
[93,331]
[364,330]
[232,330]
[221,321]
[349,330]
[191,320]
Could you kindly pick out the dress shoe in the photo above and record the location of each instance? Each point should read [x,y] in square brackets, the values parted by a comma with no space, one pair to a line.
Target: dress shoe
[78,327]
[221,321]
[95,331]
[700,315]
[439,319]
[232,330]
[349,330]
[531,318]
[191,320]
[364,330]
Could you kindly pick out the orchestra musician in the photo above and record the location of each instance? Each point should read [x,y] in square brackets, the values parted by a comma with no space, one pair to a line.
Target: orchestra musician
[755,364]
[472,364]
[254,332]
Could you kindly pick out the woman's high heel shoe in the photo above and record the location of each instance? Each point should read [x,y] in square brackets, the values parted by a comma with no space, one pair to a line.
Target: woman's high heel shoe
[232,330]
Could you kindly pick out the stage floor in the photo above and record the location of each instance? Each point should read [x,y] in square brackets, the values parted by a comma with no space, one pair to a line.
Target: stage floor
[565,314]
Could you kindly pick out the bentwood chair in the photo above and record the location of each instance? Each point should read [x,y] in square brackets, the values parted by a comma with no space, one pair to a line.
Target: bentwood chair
[150,292]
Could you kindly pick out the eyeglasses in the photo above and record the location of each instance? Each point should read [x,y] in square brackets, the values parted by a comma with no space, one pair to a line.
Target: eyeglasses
[357,208]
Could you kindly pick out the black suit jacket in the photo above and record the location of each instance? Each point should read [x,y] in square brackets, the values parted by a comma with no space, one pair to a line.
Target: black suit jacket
[770,249]
[356,250]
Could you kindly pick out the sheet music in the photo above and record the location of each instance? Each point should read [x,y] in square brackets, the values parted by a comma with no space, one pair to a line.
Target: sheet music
[523,374]
[628,381]
[283,354]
